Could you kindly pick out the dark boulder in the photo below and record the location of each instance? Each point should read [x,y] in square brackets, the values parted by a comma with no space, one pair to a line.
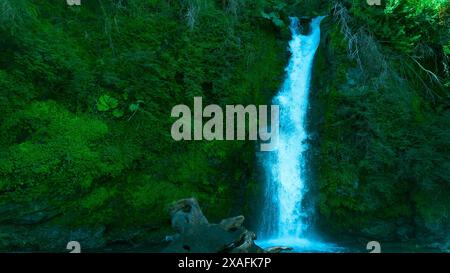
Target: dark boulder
[194,234]
[185,213]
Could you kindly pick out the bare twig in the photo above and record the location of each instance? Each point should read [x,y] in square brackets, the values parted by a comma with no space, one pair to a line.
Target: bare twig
[430,74]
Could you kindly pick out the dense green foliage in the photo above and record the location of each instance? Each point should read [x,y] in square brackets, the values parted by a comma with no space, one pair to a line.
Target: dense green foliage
[86,95]
[85,108]
[383,165]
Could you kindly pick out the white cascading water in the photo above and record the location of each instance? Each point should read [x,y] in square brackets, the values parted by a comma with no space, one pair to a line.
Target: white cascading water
[285,221]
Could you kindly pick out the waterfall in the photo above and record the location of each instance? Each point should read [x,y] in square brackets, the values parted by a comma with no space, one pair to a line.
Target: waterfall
[285,220]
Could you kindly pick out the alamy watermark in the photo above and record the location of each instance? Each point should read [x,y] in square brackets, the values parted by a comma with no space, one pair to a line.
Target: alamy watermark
[230,124]
[73,2]
[374,247]
[74,246]
[374,2]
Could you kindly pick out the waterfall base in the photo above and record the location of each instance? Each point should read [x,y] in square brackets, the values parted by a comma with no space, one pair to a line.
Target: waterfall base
[300,245]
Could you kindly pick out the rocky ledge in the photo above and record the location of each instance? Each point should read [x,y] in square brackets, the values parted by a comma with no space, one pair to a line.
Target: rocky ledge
[194,234]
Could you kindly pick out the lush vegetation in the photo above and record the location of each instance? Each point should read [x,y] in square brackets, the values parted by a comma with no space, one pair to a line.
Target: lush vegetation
[85,111]
[86,95]
[383,153]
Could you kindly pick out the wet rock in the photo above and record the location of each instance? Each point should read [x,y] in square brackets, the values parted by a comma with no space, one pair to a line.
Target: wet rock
[204,238]
[277,249]
[194,234]
[246,244]
[382,230]
[185,213]
[304,24]
[232,223]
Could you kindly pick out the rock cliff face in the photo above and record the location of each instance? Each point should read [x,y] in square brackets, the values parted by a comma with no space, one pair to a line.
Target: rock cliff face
[367,128]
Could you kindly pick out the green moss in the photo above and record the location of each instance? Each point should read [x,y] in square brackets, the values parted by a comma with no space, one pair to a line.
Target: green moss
[376,141]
